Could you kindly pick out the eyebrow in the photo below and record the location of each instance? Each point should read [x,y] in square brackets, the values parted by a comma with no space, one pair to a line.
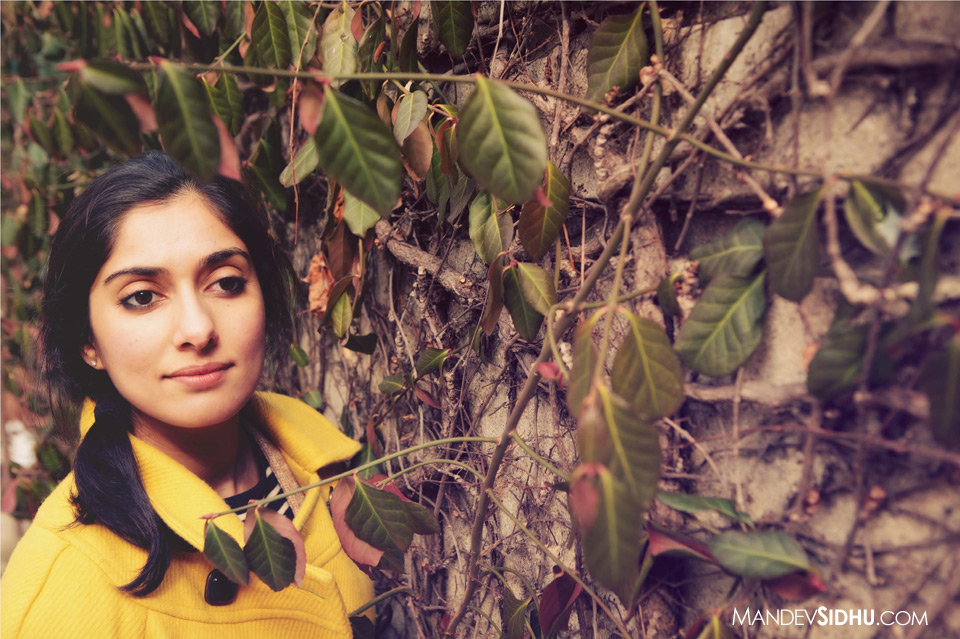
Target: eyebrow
[210,260]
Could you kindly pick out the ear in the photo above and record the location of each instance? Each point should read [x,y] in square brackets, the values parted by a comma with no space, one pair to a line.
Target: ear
[91,357]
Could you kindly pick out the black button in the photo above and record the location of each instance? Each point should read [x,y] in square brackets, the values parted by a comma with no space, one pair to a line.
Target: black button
[219,591]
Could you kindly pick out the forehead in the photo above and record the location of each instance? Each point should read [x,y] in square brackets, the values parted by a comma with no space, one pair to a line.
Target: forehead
[183,228]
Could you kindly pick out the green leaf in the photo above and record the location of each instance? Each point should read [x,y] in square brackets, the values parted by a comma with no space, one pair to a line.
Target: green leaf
[736,253]
[185,123]
[698,503]
[525,317]
[617,52]
[300,29]
[725,326]
[225,553]
[634,449]
[537,287]
[111,118]
[791,246]
[758,555]
[158,17]
[508,151]
[112,77]
[491,232]
[313,399]
[407,58]
[667,297]
[299,356]
[341,315]
[647,371]
[940,380]
[410,111]
[63,132]
[358,151]
[391,384]
[585,359]
[874,214]
[929,273]
[540,225]
[203,14]
[367,59]
[41,133]
[838,363]
[379,518]
[269,37]
[494,303]
[612,546]
[234,16]
[454,24]
[365,344]
[358,215]
[271,556]
[514,615]
[303,164]
[431,359]
[227,101]
[338,47]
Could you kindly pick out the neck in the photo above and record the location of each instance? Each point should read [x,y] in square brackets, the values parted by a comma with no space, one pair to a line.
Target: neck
[221,454]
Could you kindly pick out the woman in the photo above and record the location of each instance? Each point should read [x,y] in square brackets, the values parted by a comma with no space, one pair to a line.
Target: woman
[162,299]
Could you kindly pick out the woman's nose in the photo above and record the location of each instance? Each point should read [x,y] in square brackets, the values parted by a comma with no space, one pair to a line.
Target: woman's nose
[196,327]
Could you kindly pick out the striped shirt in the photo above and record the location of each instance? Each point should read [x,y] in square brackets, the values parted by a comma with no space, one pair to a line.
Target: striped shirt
[267,486]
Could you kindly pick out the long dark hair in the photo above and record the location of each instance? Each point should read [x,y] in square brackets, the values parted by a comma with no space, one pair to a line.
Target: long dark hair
[109,489]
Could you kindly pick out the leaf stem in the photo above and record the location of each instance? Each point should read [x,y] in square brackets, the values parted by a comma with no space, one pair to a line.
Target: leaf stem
[452,462]
[381,597]
[537,458]
[352,471]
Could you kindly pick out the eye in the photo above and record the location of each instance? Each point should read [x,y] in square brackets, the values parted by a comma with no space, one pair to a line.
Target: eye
[231,286]
[140,299]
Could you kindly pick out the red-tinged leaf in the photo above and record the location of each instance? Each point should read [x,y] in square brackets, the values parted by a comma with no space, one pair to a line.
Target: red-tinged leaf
[143,110]
[9,502]
[192,28]
[444,133]
[542,198]
[796,586]
[494,306]
[556,603]
[356,25]
[375,479]
[585,497]
[229,158]
[426,397]
[549,370]
[71,66]
[311,108]
[341,250]
[225,553]
[271,556]
[418,150]
[284,526]
[664,541]
[357,549]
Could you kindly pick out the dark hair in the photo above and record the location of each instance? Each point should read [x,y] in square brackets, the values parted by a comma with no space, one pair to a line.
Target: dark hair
[109,489]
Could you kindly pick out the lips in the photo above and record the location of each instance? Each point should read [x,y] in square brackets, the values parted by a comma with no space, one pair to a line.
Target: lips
[201,377]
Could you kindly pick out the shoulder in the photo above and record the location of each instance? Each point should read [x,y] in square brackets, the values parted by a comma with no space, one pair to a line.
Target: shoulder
[51,586]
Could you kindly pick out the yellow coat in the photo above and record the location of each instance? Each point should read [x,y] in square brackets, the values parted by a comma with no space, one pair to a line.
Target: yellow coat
[62,580]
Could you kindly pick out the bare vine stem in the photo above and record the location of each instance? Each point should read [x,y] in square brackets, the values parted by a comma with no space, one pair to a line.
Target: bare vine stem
[631,208]
[353,471]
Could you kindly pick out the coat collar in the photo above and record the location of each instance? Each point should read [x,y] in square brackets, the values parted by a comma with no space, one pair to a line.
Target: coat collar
[181,498]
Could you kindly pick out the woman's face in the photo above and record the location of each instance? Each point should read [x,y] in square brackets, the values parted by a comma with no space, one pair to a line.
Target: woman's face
[177,317]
